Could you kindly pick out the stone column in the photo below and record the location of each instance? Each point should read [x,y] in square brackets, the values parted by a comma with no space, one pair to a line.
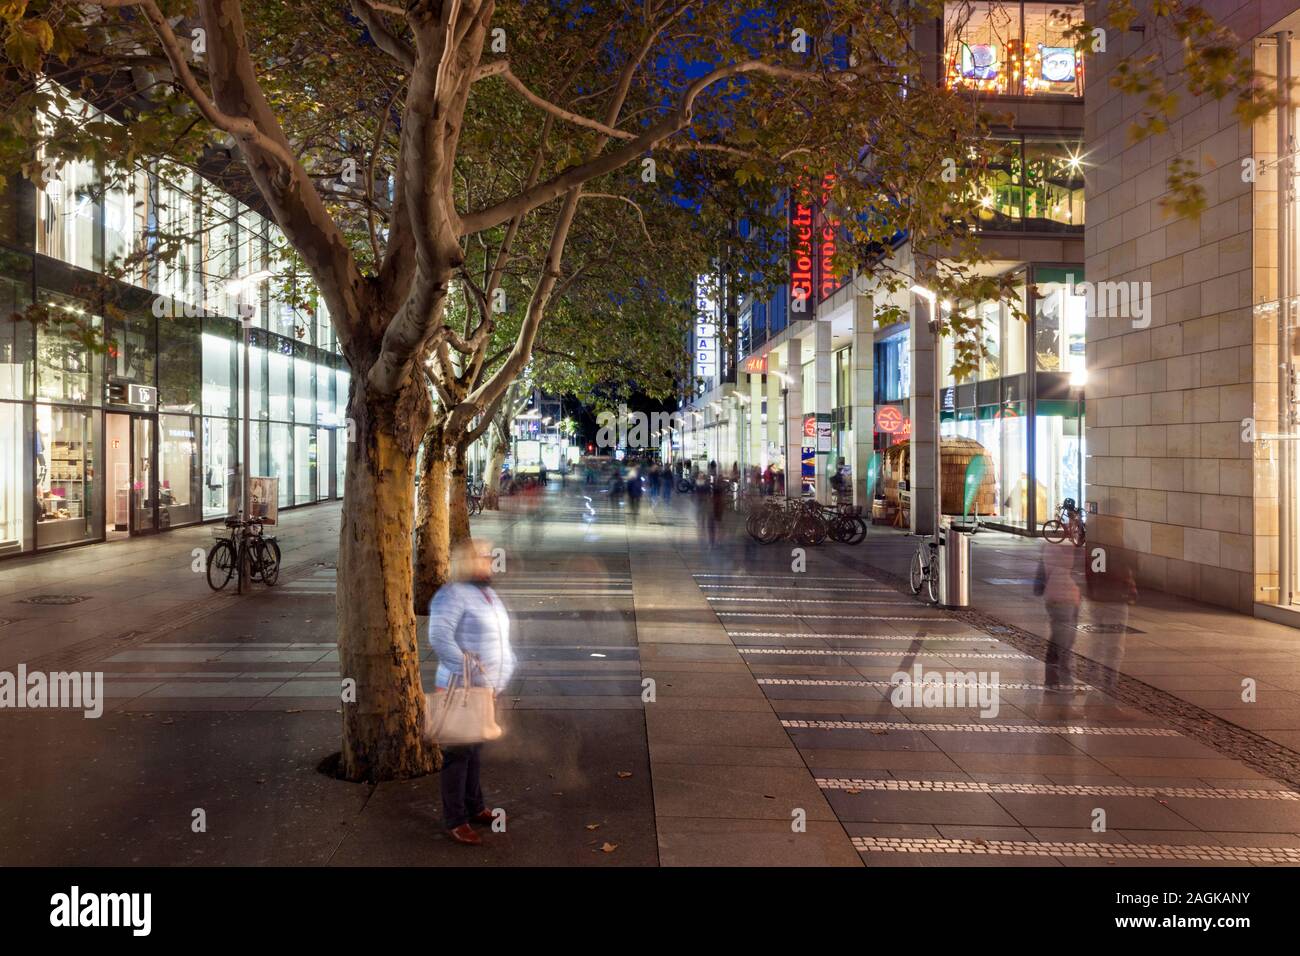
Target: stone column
[921,412]
[864,411]
[772,433]
[823,398]
[794,418]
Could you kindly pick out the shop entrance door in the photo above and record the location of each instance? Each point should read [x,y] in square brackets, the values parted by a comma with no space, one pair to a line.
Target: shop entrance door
[132,505]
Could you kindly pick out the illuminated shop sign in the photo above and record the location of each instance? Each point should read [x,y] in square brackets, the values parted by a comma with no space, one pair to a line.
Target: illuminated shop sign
[814,241]
[802,250]
[892,421]
[827,234]
[706,335]
[756,365]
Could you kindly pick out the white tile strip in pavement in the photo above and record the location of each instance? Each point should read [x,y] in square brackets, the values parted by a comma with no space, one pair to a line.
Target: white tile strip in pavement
[775,587]
[832,652]
[249,645]
[1063,730]
[867,637]
[1107,851]
[828,682]
[846,578]
[781,600]
[566,591]
[1051,789]
[833,617]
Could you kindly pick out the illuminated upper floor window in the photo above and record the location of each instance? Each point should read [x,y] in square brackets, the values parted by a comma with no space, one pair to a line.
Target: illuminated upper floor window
[1012,49]
[1029,184]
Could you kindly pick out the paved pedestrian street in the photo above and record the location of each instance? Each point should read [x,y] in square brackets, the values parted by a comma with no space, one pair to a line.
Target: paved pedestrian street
[675,704]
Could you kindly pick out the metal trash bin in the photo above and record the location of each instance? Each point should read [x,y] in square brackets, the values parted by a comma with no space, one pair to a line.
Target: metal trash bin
[954,582]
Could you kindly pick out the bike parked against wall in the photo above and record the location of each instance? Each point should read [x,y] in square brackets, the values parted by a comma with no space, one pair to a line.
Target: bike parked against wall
[1068,524]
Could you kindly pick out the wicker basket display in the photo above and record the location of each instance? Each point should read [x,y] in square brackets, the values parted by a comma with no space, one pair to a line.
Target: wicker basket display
[957,454]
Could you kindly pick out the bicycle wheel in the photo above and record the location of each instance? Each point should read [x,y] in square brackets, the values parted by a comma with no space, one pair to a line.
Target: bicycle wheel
[821,527]
[752,525]
[809,530]
[932,578]
[1054,531]
[221,564]
[842,529]
[859,530]
[770,528]
[268,561]
[1078,534]
[916,574]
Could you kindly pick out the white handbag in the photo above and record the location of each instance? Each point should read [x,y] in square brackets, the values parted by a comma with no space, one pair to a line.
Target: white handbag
[462,714]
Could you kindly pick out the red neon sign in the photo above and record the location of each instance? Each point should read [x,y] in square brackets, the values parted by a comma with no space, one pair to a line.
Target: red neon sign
[802,254]
[889,419]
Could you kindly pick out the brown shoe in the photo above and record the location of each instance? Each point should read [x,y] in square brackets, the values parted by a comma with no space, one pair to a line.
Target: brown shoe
[484,817]
[465,834]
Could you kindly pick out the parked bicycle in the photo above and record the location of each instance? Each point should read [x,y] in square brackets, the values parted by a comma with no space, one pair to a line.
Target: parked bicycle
[242,541]
[1068,524]
[474,498]
[924,572]
[804,521]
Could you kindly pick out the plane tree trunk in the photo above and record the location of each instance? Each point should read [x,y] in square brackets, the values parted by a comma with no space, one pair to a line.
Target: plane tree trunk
[457,505]
[492,481]
[433,514]
[378,646]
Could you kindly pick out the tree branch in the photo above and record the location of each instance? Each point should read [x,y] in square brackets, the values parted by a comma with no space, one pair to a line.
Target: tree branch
[679,119]
[388,41]
[502,69]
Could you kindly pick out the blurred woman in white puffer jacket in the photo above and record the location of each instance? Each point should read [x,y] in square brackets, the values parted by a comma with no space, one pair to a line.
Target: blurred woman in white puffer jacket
[1060,592]
[467,617]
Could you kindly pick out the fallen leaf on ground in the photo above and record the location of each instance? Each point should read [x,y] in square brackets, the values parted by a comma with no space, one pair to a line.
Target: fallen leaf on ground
[624,774]
[608,847]
[593,826]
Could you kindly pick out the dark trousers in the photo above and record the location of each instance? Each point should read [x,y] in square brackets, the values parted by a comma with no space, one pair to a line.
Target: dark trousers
[1058,661]
[462,795]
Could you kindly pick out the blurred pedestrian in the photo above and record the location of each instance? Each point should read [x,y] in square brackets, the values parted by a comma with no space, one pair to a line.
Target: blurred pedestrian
[1112,590]
[1056,585]
[717,506]
[468,629]
[634,489]
[616,487]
